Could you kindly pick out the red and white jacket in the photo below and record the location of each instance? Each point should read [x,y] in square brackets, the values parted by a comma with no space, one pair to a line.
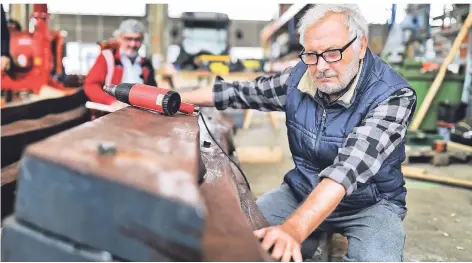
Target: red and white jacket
[108,69]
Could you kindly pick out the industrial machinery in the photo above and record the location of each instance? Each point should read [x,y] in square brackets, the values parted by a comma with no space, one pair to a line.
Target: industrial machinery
[203,33]
[204,44]
[405,38]
[37,56]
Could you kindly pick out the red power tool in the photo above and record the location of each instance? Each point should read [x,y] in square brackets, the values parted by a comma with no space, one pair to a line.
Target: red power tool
[165,101]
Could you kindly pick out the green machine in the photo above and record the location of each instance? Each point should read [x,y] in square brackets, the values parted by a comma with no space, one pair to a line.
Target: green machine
[450,91]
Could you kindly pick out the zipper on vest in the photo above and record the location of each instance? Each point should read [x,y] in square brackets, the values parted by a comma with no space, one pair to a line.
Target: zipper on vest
[320,130]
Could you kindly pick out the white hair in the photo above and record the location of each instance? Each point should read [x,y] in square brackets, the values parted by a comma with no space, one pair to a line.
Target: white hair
[353,18]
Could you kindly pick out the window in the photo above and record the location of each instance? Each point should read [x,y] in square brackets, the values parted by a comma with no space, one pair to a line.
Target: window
[212,40]
[260,11]
[99,8]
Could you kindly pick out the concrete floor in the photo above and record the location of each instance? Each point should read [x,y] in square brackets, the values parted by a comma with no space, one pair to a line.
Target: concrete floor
[438,224]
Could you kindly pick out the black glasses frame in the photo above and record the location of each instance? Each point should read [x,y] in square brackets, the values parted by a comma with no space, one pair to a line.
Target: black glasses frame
[341,50]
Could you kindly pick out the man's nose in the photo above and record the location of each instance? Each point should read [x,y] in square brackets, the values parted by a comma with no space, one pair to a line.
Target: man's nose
[322,65]
[133,44]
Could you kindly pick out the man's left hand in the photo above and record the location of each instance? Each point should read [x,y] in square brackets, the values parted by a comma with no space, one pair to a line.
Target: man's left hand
[283,239]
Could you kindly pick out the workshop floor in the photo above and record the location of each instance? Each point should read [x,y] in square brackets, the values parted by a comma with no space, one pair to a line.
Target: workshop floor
[438,224]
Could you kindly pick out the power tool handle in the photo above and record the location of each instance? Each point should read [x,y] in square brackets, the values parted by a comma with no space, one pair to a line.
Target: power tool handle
[187,108]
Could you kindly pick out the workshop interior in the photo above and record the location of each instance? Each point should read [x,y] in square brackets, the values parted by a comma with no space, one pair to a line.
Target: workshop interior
[152,132]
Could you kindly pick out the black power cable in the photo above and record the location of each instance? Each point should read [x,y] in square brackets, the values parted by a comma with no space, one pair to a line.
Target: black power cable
[219,146]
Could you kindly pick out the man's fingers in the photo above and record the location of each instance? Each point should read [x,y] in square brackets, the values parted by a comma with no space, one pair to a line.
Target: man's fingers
[260,233]
[297,254]
[279,248]
[287,253]
[269,239]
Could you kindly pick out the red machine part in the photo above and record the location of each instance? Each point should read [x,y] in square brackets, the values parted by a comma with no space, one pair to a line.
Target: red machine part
[32,55]
[153,98]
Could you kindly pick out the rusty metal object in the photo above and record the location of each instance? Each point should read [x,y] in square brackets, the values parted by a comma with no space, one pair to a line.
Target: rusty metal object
[41,108]
[23,238]
[17,135]
[30,122]
[147,145]
[127,183]
[223,126]
[9,175]
[232,211]
[146,205]
[228,232]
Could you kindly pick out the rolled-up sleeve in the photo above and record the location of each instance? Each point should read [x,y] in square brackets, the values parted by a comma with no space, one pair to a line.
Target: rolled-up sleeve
[369,144]
[265,93]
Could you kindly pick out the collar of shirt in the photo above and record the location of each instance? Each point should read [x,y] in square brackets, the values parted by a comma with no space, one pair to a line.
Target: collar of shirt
[124,57]
[132,71]
[306,85]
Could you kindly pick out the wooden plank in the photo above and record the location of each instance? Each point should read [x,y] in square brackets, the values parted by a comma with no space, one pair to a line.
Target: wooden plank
[442,72]
[423,174]
[458,147]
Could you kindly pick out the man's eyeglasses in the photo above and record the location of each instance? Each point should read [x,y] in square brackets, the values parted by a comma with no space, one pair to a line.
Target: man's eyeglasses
[330,56]
[136,39]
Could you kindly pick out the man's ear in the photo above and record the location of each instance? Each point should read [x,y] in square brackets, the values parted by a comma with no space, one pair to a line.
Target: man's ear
[363,47]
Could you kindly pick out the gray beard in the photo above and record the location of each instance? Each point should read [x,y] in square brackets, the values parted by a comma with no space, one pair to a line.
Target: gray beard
[346,78]
[133,56]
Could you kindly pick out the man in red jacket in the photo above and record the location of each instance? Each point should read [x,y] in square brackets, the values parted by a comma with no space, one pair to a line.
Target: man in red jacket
[123,65]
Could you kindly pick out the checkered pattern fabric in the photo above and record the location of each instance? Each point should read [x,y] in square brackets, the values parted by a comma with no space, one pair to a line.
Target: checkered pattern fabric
[365,149]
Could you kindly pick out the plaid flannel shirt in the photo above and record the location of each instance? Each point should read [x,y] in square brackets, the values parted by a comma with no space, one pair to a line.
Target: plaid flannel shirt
[366,147]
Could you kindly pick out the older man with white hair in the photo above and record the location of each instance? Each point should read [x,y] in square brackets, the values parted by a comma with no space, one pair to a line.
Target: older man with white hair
[347,112]
[114,66]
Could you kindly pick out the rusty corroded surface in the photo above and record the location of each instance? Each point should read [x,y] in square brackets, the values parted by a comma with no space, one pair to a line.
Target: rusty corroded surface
[9,173]
[17,135]
[125,183]
[23,126]
[221,126]
[228,232]
[247,201]
[232,211]
[38,109]
[154,153]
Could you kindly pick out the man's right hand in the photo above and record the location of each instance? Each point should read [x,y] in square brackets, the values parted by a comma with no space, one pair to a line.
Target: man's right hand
[201,96]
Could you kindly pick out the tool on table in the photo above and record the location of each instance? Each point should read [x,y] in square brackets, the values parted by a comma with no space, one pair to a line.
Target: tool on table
[162,100]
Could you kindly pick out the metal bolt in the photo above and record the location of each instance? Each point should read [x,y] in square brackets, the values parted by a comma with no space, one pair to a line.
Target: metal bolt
[106,148]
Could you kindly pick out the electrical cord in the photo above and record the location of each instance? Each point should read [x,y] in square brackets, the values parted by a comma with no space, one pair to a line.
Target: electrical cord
[219,146]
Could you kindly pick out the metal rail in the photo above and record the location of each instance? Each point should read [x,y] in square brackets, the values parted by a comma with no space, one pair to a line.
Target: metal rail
[125,186]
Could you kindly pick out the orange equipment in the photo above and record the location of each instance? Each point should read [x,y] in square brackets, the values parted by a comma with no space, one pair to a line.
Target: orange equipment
[37,55]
